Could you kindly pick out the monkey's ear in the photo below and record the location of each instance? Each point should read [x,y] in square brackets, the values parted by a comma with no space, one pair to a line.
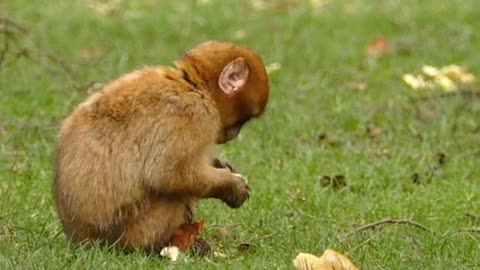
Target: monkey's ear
[233,76]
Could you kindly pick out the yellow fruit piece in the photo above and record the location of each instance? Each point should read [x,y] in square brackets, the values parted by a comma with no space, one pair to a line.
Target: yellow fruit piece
[330,260]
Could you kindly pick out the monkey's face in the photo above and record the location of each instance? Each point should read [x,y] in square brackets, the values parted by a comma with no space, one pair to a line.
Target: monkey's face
[242,93]
[238,109]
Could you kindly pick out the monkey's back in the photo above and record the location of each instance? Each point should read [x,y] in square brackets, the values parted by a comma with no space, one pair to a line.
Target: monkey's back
[138,129]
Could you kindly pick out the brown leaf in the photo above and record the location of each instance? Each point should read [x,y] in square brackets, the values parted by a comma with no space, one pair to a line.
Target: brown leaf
[336,182]
[322,136]
[279,162]
[415,177]
[184,236]
[377,47]
[297,196]
[442,157]
[325,138]
[242,247]
[374,132]
[290,214]
[89,52]
[358,86]
[222,232]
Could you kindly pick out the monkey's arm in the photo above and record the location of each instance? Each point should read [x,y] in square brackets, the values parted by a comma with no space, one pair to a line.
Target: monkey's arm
[231,188]
[181,163]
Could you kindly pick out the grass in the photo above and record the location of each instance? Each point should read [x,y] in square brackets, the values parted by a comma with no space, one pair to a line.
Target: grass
[404,154]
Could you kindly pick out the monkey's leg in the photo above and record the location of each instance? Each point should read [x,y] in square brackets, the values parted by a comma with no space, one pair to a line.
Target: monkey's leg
[151,228]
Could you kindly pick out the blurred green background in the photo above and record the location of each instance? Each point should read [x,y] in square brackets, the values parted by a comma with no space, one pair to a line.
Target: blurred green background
[344,142]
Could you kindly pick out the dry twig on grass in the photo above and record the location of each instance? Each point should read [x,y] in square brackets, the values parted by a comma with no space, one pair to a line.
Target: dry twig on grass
[393,221]
[470,94]
[473,230]
[7,26]
[469,230]
[4,31]
[11,29]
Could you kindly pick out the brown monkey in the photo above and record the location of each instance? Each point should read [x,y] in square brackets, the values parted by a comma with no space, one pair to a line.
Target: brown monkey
[133,159]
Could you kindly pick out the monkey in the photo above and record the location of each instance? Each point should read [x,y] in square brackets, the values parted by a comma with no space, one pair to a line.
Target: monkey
[133,159]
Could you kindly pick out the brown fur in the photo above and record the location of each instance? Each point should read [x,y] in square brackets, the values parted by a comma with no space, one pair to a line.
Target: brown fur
[133,158]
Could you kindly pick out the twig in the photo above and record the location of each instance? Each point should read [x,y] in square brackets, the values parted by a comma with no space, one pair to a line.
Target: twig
[471,215]
[61,63]
[471,230]
[9,28]
[462,230]
[390,220]
[5,44]
[13,25]
[224,225]
[469,93]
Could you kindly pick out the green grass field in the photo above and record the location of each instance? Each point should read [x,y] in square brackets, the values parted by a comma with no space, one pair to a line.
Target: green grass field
[409,155]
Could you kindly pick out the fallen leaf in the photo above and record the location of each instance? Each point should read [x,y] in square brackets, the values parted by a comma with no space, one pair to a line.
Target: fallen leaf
[322,136]
[472,217]
[383,152]
[330,260]
[374,132]
[416,82]
[240,34]
[279,162]
[445,83]
[222,232]
[430,71]
[184,236]
[467,79]
[297,196]
[336,182]
[258,4]
[415,177]
[105,7]
[318,3]
[358,86]
[325,138]
[442,157]
[448,78]
[242,247]
[453,72]
[220,254]
[290,214]
[201,246]
[377,47]
[204,2]
[273,67]
[89,52]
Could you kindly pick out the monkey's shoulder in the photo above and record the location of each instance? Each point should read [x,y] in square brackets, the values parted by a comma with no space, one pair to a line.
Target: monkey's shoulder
[152,91]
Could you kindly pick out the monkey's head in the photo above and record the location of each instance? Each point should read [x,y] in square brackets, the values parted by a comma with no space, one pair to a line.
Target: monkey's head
[236,78]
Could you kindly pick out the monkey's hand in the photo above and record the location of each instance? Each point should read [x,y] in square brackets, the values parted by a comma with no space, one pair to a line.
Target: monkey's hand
[237,192]
[217,163]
